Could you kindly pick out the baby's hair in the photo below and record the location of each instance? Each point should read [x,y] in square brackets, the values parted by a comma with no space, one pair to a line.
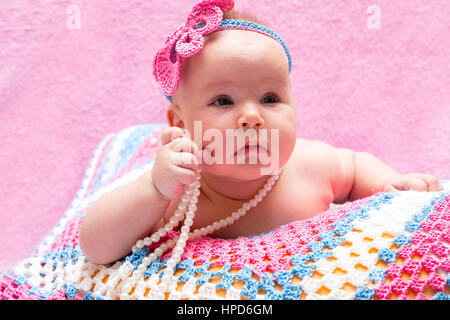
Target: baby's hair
[245,16]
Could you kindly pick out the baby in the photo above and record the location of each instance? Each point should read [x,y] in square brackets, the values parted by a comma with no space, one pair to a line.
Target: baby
[232,78]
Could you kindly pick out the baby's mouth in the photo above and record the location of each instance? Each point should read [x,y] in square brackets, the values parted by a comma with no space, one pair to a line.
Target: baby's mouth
[251,148]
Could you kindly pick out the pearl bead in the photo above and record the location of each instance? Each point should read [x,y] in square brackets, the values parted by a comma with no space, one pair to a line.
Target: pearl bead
[182,206]
[253,203]
[170,264]
[175,256]
[184,229]
[178,251]
[179,215]
[158,251]
[180,244]
[173,220]
[162,232]
[184,236]
[188,222]
[164,247]
[155,237]
[146,261]
[190,214]
[140,244]
[193,235]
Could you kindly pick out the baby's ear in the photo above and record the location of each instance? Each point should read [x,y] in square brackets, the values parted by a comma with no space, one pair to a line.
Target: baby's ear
[174,116]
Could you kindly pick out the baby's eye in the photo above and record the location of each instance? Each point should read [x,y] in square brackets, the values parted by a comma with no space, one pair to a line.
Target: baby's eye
[222,101]
[270,99]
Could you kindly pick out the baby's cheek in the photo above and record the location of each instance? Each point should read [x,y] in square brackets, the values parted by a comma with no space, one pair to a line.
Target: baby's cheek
[284,146]
[287,146]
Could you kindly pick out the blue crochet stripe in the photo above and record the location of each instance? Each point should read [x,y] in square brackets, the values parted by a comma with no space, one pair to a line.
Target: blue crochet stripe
[301,267]
[390,256]
[252,26]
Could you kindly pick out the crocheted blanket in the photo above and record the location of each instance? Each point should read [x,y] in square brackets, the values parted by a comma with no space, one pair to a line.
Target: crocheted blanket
[387,246]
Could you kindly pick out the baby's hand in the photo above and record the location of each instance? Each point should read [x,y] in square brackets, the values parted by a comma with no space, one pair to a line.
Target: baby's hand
[175,163]
[414,181]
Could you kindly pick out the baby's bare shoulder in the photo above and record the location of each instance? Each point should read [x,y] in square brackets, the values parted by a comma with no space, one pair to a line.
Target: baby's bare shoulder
[334,165]
[314,154]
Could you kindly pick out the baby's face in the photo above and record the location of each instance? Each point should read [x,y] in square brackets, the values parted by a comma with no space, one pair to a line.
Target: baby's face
[239,80]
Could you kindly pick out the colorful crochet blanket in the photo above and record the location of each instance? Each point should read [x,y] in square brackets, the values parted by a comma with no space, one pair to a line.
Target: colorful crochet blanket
[387,246]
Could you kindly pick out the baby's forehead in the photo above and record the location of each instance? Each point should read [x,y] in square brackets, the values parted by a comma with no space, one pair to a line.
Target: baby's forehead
[229,51]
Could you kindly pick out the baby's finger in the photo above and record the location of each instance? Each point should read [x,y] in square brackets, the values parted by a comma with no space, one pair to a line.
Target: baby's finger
[389,188]
[432,182]
[184,160]
[170,134]
[185,176]
[186,145]
[414,183]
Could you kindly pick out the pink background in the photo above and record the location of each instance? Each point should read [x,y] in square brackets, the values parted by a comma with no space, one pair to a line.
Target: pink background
[383,91]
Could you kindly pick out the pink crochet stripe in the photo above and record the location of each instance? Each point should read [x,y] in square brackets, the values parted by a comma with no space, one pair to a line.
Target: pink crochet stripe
[70,234]
[9,290]
[426,252]
[276,248]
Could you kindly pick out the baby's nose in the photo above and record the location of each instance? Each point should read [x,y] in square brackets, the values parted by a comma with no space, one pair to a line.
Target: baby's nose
[250,119]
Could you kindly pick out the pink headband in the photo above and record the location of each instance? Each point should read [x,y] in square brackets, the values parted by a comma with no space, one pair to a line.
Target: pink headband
[205,18]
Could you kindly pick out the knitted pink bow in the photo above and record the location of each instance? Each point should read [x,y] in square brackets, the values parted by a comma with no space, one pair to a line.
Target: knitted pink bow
[186,41]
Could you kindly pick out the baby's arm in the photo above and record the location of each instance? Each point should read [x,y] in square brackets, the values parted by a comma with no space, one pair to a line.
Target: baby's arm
[362,174]
[114,223]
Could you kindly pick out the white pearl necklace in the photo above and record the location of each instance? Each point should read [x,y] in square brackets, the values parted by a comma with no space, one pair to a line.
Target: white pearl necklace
[188,201]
